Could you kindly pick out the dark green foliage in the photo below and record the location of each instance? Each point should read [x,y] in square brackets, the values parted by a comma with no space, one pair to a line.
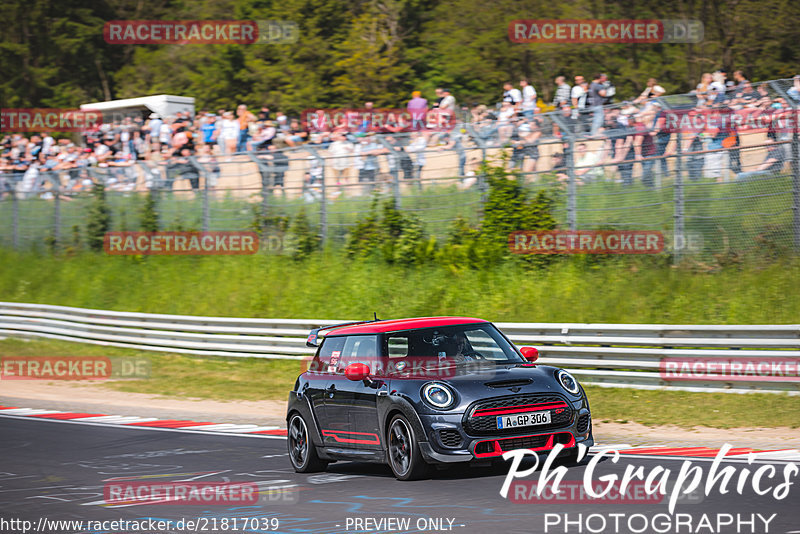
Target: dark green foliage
[53,54]
[302,239]
[397,237]
[264,224]
[149,215]
[392,236]
[98,218]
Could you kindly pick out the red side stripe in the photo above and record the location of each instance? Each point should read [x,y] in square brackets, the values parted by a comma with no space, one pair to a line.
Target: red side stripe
[8,408]
[338,439]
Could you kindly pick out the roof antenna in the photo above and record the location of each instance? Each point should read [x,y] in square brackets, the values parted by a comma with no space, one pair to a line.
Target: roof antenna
[375,315]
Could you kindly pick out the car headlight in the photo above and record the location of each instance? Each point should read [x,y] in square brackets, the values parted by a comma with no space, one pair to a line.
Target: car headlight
[438,395]
[568,382]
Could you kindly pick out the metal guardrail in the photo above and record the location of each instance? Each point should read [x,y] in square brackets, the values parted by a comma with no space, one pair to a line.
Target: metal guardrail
[611,355]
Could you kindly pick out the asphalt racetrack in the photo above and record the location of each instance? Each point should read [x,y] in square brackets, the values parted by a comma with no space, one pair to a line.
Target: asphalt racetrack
[55,470]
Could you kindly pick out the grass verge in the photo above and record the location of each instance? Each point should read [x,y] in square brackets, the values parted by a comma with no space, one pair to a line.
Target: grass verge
[235,379]
[327,286]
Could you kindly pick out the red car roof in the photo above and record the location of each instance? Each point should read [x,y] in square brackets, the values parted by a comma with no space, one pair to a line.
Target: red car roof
[378,327]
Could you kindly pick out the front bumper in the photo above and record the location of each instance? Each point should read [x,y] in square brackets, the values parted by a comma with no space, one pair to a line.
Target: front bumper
[443,445]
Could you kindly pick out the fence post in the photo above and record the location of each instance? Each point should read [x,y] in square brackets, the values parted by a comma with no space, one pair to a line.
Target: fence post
[323,206]
[323,201]
[206,206]
[15,218]
[572,216]
[678,240]
[56,210]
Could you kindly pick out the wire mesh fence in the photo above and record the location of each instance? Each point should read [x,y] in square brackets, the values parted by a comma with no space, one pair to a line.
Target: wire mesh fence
[713,189]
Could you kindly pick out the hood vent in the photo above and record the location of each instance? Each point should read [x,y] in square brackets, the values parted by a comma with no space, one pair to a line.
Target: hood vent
[509,383]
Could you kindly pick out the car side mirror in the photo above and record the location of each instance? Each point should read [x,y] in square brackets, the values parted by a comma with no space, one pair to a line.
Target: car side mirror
[357,372]
[530,353]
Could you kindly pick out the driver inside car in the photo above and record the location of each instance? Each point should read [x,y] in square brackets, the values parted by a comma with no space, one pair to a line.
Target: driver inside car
[462,349]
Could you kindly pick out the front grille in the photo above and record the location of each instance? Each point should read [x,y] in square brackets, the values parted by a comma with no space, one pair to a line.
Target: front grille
[487,424]
[527,442]
[450,438]
[583,423]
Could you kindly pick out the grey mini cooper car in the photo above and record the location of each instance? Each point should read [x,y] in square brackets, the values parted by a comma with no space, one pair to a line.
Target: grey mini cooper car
[413,393]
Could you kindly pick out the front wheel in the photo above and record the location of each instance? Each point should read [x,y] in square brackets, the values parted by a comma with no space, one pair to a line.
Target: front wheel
[405,458]
[302,452]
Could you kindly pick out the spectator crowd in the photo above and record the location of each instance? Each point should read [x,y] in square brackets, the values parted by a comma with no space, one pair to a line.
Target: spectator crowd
[186,146]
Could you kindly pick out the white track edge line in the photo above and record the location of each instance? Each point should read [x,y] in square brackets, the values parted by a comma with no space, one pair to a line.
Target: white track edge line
[111,425]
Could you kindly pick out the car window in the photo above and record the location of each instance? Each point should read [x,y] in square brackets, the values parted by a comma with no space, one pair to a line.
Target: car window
[458,343]
[361,349]
[483,343]
[397,346]
[328,355]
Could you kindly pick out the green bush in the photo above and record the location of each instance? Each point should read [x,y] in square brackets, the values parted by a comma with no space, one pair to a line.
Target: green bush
[149,216]
[301,240]
[99,218]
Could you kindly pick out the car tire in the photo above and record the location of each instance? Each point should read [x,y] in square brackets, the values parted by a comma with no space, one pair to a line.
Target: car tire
[302,452]
[402,446]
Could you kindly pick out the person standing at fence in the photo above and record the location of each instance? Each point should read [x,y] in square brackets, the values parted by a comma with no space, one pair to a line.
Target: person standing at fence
[153,128]
[280,162]
[512,95]
[597,96]
[228,134]
[207,160]
[418,145]
[244,118]
[579,96]
[644,146]
[208,130]
[662,138]
[694,160]
[417,108]
[366,152]
[448,102]
[623,156]
[165,133]
[772,164]
[340,152]
[528,105]
[703,89]
[562,92]
[456,139]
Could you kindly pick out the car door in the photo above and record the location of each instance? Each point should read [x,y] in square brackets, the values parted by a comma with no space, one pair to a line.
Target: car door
[319,375]
[351,406]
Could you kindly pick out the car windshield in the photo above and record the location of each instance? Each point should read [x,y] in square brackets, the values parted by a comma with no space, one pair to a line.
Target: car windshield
[452,344]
